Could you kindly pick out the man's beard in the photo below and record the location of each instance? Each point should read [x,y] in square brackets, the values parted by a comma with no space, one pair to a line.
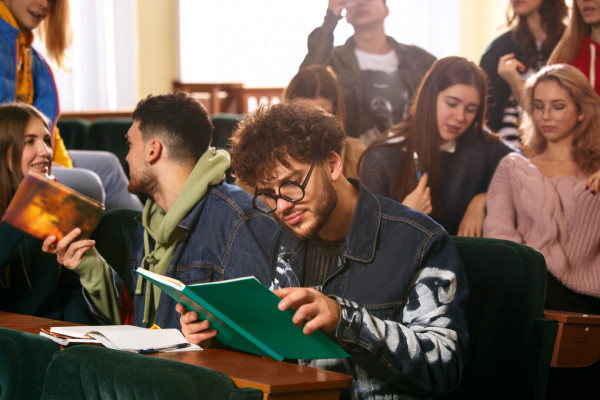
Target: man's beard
[325,205]
[144,185]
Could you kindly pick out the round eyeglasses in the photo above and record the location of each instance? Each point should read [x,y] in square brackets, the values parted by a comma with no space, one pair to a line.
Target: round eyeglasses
[290,191]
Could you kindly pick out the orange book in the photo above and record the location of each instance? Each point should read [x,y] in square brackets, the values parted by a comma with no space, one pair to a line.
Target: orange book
[42,207]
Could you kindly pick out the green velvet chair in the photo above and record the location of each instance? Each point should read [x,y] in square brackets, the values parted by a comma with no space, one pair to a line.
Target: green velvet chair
[92,372]
[75,132]
[24,358]
[510,343]
[224,124]
[114,238]
[108,134]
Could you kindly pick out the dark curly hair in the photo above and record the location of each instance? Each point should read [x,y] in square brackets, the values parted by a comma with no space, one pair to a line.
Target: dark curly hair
[297,129]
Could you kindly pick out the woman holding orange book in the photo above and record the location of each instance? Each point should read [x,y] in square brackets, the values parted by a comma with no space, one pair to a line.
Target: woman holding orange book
[31,282]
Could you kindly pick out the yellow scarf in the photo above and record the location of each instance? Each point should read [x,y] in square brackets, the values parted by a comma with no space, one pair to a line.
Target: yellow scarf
[24,80]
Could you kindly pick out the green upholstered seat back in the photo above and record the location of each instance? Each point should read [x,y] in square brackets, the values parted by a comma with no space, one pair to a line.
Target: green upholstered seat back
[74,132]
[108,134]
[224,124]
[510,344]
[114,238]
[24,358]
[91,372]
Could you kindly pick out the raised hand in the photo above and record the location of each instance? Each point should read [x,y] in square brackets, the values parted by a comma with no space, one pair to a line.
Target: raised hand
[510,69]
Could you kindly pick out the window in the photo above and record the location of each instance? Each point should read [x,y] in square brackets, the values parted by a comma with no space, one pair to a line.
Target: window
[262,43]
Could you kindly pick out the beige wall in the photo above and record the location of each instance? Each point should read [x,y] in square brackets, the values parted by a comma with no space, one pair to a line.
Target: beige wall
[480,21]
[157,49]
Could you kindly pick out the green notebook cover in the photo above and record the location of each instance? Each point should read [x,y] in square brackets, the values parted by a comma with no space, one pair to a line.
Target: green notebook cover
[245,314]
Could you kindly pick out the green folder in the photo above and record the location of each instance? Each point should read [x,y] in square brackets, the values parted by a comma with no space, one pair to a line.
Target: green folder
[245,314]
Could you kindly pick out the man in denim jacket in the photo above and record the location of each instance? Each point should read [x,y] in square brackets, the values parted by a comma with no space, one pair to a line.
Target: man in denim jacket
[382,280]
[194,227]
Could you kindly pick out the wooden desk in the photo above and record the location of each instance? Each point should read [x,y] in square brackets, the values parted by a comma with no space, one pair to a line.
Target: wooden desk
[277,380]
[577,340]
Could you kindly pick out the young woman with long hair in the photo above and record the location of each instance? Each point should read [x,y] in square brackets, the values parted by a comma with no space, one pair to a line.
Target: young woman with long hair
[580,43]
[443,140]
[549,201]
[536,26]
[319,83]
[27,78]
[31,281]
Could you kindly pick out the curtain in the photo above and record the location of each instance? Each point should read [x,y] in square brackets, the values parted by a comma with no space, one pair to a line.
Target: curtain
[102,70]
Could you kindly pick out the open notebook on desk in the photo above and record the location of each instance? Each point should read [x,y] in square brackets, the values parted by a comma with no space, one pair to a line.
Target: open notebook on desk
[122,337]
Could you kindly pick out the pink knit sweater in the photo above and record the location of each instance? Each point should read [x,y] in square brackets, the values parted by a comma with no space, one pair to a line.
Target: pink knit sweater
[557,216]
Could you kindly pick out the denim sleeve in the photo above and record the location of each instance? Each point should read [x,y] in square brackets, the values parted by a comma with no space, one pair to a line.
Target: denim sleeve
[250,248]
[424,351]
[320,42]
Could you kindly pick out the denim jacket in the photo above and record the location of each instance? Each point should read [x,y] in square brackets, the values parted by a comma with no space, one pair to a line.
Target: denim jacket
[45,95]
[225,238]
[402,291]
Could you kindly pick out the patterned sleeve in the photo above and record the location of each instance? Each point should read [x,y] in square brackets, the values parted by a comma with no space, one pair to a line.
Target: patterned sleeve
[424,349]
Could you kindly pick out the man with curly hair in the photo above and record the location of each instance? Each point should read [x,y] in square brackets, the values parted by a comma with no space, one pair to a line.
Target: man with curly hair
[383,281]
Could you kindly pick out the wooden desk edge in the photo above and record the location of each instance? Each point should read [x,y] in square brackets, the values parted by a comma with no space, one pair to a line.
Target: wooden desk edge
[333,381]
[569,322]
[572,317]
[320,389]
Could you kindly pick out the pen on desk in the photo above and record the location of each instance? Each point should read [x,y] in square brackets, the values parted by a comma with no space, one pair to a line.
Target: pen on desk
[163,348]
[416,159]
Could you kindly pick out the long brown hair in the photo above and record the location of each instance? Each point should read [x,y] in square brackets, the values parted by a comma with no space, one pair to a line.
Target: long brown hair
[318,81]
[420,133]
[586,141]
[56,33]
[552,14]
[568,47]
[14,118]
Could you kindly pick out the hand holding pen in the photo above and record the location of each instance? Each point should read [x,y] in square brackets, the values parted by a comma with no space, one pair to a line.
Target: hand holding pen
[417,166]
[420,198]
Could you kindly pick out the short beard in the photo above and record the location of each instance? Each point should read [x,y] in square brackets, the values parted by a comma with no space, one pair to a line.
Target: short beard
[145,185]
[326,203]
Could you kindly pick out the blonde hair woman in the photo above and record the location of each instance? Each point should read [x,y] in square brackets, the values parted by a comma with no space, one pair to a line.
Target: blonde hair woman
[549,201]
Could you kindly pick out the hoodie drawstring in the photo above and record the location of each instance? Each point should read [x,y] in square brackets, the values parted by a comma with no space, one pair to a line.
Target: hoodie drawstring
[592,65]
